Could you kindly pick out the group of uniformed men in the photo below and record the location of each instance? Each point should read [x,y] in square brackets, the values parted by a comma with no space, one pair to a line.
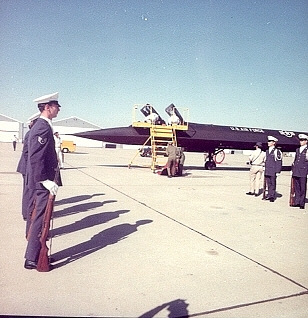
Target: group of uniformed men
[270,162]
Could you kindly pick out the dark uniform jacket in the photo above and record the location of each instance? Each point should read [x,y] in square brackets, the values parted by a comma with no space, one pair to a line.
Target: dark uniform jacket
[300,164]
[42,158]
[22,164]
[273,162]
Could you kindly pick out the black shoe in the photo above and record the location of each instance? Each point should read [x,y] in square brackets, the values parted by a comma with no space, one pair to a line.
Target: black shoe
[250,193]
[30,264]
[271,199]
[295,205]
[302,207]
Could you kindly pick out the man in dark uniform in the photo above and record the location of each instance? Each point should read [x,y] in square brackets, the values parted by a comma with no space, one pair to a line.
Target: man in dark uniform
[300,171]
[22,165]
[181,160]
[273,166]
[41,171]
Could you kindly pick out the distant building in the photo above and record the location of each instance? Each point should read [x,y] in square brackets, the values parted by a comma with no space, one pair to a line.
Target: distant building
[72,125]
[10,127]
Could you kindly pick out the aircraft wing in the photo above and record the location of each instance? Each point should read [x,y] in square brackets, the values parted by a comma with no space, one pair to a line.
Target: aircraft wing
[201,137]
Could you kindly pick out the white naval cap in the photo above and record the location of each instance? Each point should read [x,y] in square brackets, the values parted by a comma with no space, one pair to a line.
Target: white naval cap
[271,138]
[303,136]
[34,117]
[47,98]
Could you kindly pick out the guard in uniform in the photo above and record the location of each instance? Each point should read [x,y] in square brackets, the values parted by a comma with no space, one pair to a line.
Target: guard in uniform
[300,171]
[42,165]
[273,166]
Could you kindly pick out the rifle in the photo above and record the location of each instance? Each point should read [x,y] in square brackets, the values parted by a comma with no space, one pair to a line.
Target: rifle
[43,259]
[292,193]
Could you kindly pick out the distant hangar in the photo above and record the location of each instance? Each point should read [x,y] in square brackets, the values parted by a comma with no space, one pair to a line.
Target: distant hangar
[10,127]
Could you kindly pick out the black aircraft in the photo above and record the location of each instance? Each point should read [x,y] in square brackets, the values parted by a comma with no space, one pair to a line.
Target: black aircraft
[205,138]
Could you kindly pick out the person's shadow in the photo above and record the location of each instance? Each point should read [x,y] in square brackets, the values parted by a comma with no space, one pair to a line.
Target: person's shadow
[177,308]
[87,222]
[83,207]
[77,198]
[97,242]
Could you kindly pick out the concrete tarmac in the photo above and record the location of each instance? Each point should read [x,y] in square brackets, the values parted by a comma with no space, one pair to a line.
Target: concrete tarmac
[131,243]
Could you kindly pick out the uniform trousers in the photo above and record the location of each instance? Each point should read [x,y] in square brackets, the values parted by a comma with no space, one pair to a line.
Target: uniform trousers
[59,155]
[255,175]
[171,166]
[35,228]
[30,208]
[271,186]
[25,199]
[300,188]
[180,169]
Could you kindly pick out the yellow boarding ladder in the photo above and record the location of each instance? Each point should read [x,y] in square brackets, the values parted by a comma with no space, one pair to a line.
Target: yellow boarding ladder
[160,137]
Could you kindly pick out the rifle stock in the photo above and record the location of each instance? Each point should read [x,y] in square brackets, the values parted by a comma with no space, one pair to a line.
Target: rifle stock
[292,193]
[43,260]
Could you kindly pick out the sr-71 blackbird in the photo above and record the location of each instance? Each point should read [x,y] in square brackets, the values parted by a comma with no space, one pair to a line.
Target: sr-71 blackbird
[205,138]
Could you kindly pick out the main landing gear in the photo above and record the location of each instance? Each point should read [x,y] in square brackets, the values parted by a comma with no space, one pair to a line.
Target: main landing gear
[212,158]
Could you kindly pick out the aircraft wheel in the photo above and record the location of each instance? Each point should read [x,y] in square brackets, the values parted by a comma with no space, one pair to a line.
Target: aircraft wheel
[210,165]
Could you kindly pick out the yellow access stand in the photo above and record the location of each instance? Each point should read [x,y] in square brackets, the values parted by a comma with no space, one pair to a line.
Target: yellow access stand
[160,137]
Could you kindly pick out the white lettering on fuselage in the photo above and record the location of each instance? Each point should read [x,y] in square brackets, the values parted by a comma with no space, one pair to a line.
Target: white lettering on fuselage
[255,130]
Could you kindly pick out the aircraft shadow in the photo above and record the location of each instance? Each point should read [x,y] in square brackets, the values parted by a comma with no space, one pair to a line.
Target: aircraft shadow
[87,222]
[83,207]
[77,198]
[176,308]
[107,237]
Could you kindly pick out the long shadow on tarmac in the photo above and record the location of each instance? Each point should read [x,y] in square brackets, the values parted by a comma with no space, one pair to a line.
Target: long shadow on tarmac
[89,221]
[77,198]
[176,308]
[107,237]
[83,207]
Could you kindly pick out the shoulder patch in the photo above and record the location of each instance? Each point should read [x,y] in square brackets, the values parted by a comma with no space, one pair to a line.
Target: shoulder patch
[41,140]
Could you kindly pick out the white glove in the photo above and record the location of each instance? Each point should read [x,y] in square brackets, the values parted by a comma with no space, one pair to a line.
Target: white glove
[51,186]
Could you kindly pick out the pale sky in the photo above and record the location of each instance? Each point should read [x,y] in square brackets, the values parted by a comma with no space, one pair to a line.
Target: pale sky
[231,62]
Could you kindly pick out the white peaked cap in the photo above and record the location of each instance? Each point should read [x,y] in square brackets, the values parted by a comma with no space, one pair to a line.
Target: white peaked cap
[33,117]
[271,138]
[47,98]
[303,136]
